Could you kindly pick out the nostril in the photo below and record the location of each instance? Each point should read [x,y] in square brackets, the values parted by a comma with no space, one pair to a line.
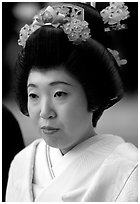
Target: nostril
[49,115]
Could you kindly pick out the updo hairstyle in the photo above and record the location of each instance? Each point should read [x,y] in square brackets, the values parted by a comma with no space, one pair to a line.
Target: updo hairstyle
[89,62]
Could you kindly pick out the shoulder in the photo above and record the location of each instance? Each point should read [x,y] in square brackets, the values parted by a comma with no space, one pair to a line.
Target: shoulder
[111,152]
[124,161]
[125,152]
[124,156]
[26,155]
[119,172]
[122,165]
[120,149]
[121,159]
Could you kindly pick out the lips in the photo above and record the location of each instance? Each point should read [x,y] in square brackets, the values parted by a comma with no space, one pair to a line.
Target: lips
[48,130]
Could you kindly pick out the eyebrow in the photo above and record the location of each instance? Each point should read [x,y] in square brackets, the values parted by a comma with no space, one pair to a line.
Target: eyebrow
[54,83]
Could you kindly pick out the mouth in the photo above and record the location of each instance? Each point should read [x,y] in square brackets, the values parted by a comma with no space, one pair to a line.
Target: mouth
[48,130]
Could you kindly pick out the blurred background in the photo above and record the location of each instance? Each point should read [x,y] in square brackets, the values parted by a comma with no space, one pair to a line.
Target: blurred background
[121,119]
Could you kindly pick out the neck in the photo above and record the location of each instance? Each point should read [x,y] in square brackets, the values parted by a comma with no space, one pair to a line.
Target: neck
[91,134]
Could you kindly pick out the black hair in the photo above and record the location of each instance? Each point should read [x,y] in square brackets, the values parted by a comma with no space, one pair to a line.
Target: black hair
[89,62]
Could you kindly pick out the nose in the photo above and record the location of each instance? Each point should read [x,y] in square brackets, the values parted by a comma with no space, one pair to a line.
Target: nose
[47,110]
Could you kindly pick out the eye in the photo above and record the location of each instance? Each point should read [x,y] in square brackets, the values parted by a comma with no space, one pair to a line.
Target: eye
[33,96]
[60,94]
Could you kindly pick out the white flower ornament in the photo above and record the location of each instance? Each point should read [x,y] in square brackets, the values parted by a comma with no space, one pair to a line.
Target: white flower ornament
[114,14]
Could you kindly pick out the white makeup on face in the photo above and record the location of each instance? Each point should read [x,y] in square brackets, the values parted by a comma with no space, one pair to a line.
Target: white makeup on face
[58,106]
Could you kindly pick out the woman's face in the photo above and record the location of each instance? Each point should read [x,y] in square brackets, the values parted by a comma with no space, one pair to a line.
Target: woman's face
[58,107]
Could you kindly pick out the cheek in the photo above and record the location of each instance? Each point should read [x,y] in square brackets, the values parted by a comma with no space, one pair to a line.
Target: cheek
[74,115]
[33,113]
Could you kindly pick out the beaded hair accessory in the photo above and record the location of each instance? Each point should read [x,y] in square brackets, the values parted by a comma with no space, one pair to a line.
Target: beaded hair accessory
[68,17]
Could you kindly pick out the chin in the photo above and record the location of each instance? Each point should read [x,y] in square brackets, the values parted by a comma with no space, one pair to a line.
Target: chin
[52,143]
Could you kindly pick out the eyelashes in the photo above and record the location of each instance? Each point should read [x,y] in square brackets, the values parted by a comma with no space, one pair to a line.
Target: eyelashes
[60,95]
[33,96]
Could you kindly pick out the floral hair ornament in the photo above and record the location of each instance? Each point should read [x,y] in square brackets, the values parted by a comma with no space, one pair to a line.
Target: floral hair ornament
[68,17]
[115,54]
[113,15]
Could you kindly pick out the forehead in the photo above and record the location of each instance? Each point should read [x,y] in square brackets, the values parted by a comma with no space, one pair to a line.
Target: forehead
[48,77]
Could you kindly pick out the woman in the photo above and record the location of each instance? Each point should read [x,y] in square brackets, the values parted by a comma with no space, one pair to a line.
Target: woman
[66,78]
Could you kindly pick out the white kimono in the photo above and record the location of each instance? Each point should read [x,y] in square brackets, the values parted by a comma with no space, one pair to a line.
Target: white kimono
[100,169]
